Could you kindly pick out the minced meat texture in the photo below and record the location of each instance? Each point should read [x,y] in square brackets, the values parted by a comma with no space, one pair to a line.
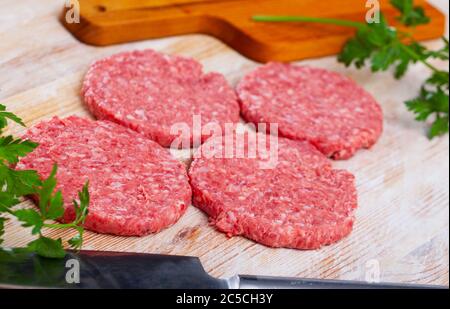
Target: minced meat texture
[301,203]
[136,187]
[325,108]
[150,92]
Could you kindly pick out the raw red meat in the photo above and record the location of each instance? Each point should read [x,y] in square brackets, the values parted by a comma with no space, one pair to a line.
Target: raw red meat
[302,203]
[325,108]
[136,187]
[149,92]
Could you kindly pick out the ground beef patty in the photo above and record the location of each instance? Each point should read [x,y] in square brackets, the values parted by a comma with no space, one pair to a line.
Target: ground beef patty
[325,108]
[302,203]
[149,92]
[136,187]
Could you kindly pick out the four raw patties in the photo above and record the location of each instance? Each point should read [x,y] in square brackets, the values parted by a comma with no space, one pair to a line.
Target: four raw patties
[300,202]
[325,108]
[136,187]
[150,92]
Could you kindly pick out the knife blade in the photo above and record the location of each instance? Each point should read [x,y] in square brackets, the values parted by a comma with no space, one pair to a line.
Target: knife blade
[123,270]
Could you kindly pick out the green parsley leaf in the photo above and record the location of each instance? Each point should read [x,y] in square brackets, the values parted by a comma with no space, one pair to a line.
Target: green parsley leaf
[405,59]
[439,79]
[81,212]
[420,106]
[76,242]
[379,43]
[81,207]
[4,116]
[47,247]
[410,15]
[11,149]
[45,192]
[7,201]
[30,218]
[56,206]
[439,127]
[355,51]
[432,102]
[18,183]
[378,34]
[383,58]
[428,102]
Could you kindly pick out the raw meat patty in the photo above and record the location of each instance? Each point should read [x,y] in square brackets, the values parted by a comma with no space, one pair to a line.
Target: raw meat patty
[302,203]
[136,187]
[149,92]
[325,108]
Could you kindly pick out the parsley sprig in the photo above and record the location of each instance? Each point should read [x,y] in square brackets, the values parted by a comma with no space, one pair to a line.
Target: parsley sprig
[410,15]
[15,184]
[385,47]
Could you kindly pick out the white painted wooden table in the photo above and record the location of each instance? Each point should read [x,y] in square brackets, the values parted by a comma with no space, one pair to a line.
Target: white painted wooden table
[403,217]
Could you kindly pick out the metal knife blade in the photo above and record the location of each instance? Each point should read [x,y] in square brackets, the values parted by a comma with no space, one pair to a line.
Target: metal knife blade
[100,269]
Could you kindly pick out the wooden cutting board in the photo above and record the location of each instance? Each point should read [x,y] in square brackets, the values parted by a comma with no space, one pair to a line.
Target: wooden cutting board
[120,21]
[402,223]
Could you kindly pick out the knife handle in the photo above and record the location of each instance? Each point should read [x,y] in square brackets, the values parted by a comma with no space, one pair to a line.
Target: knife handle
[262,282]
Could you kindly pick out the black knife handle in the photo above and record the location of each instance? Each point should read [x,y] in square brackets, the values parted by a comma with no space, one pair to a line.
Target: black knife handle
[262,282]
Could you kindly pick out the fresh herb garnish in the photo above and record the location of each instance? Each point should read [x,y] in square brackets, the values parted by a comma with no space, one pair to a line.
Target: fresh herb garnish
[385,47]
[15,184]
[410,15]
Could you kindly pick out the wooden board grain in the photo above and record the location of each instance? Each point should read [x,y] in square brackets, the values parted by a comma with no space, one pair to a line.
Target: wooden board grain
[120,21]
[403,217]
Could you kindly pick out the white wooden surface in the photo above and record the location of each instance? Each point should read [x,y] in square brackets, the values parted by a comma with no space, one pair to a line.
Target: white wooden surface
[403,182]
